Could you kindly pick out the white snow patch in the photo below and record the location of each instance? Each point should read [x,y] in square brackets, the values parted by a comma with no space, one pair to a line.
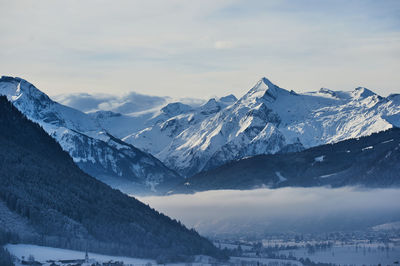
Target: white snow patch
[281,177]
[319,158]
[326,176]
[42,254]
[387,226]
[387,141]
[367,148]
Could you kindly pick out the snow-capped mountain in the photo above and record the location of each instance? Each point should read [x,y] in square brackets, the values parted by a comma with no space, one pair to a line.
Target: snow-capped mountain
[190,138]
[173,119]
[92,148]
[129,113]
[267,119]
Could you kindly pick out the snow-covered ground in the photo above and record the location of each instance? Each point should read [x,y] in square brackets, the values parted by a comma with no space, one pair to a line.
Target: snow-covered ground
[43,254]
[387,226]
[277,262]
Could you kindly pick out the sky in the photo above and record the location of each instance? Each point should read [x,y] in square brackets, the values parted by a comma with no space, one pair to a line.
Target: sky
[184,48]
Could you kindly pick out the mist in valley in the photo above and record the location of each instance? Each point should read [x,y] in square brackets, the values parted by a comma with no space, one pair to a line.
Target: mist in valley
[240,213]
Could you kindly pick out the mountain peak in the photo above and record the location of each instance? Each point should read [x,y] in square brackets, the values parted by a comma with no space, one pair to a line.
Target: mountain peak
[9,79]
[210,107]
[176,108]
[228,99]
[328,92]
[362,92]
[15,88]
[267,81]
[264,88]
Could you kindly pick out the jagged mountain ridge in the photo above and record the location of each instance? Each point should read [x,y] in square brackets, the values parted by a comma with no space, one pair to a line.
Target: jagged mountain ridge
[92,148]
[266,120]
[173,119]
[54,203]
[370,161]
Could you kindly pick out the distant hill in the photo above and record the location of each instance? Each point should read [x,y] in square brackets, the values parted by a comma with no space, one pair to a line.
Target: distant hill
[58,205]
[372,161]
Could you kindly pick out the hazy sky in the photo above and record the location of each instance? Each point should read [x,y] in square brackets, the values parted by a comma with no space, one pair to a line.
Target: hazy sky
[200,48]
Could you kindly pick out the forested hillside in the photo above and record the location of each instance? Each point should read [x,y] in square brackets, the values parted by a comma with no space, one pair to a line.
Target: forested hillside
[68,208]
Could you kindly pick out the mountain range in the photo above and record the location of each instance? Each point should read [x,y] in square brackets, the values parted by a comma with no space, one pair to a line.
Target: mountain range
[266,120]
[150,148]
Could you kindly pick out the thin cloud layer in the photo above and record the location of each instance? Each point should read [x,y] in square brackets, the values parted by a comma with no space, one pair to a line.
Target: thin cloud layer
[254,212]
[130,103]
[125,104]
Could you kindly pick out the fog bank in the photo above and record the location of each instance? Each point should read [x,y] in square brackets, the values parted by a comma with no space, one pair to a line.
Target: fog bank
[251,212]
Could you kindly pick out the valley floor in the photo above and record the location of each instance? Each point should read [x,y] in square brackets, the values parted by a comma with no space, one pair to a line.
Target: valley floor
[383,249]
[47,255]
[272,253]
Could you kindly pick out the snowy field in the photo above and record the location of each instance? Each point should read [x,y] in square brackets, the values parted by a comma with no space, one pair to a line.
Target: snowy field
[43,254]
[347,254]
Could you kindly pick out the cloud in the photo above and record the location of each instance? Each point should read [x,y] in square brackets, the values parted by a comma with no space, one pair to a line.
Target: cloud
[83,101]
[125,104]
[254,212]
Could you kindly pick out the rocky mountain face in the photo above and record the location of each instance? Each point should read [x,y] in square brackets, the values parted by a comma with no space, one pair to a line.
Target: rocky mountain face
[266,120]
[92,148]
[371,161]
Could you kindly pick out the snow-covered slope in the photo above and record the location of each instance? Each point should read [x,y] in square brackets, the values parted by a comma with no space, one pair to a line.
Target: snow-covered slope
[173,119]
[98,153]
[267,119]
[124,115]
